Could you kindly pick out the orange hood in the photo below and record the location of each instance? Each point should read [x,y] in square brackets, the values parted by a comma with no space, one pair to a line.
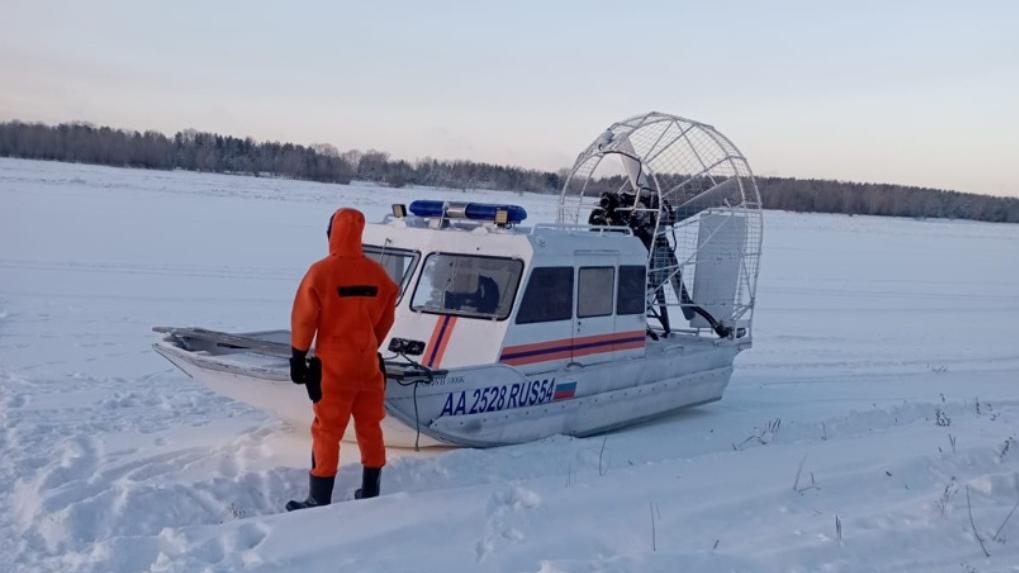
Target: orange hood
[346,227]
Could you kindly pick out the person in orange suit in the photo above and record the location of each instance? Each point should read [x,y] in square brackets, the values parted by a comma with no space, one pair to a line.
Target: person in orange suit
[345,303]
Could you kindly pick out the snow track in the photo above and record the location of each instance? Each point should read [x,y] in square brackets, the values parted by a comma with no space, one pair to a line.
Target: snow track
[885,370]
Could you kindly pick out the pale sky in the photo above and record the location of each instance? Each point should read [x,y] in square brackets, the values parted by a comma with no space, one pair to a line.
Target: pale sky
[919,93]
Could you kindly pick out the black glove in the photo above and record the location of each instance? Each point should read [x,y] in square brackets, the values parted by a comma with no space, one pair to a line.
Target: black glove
[313,380]
[298,366]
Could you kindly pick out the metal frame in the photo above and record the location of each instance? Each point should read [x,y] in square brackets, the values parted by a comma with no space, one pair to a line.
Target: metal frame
[684,168]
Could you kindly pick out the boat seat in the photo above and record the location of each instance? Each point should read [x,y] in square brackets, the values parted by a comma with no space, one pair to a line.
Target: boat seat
[484,299]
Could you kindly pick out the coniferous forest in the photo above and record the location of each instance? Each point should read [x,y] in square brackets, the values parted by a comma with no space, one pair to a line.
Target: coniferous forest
[210,152]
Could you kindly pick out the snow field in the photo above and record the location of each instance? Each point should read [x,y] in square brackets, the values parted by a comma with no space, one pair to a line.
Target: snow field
[885,372]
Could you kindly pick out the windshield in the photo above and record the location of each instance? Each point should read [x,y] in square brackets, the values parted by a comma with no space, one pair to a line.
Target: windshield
[399,263]
[467,285]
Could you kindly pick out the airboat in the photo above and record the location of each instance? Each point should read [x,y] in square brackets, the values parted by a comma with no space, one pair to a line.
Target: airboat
[632,305]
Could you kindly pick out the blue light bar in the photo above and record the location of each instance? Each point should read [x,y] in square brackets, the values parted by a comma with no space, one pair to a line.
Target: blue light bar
[427,208]
[474,211]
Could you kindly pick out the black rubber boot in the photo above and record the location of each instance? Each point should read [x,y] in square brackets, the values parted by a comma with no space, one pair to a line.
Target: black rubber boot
[370,480]
[320,492]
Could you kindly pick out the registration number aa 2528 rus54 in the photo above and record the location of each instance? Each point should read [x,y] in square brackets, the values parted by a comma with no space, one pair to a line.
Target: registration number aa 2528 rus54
[494,398]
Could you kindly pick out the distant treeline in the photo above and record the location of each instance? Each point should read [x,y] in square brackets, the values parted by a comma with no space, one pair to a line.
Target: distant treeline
[201,151]
[826,196]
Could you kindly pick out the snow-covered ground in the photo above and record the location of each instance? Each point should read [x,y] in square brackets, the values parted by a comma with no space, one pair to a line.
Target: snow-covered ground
[886,365]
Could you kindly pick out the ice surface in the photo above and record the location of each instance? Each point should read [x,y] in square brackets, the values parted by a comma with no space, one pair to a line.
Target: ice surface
[869,333]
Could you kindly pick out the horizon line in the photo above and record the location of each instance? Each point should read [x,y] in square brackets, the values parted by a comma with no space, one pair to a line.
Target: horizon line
[418,159]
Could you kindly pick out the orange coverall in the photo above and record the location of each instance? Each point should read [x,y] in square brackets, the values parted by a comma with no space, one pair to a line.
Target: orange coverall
[349,301]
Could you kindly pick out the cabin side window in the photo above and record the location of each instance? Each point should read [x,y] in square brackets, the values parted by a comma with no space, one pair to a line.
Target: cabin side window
[594,295]
[632,290]
[549,296]
[398,263]
[467,285]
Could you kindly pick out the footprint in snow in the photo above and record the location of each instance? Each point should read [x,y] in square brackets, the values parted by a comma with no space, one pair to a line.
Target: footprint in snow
[17,401]
[79,459]
[515,498]
[248,536]
[504,507]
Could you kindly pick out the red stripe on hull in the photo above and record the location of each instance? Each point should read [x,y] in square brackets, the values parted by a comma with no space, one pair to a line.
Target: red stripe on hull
[560,355]
[439,341]
[444,342]
[611,348]
[574,341]
[574,348]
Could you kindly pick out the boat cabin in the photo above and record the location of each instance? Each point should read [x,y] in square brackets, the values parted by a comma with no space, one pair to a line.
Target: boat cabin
[478,288]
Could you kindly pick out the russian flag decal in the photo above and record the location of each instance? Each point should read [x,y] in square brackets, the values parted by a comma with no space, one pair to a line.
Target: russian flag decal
[564,390]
